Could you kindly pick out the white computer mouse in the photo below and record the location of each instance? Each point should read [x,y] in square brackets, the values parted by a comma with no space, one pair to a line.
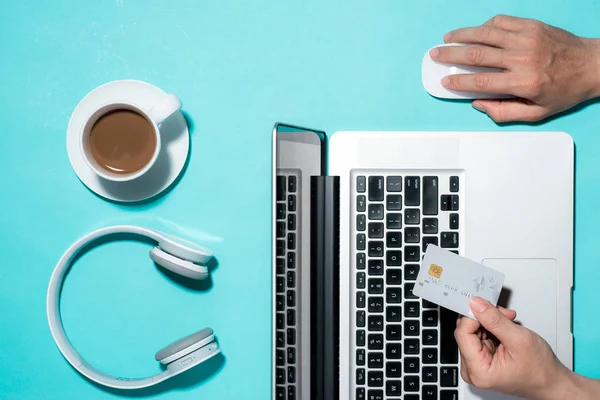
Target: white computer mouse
[432,73]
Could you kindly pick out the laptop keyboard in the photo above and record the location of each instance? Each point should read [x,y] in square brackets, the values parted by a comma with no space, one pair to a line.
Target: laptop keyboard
[288,258]
[404,345]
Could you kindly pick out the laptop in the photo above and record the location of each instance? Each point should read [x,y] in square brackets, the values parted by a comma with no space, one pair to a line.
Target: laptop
[352,217]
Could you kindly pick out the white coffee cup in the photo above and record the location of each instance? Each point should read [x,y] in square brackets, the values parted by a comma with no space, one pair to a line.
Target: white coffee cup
[155,115]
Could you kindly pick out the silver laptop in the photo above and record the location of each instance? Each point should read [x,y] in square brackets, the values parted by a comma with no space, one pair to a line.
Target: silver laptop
[352,217]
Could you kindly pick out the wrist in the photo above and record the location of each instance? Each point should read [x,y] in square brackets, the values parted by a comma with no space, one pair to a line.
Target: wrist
[566,384]
[594,70]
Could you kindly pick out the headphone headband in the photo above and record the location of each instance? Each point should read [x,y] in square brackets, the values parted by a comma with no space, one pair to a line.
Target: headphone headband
[55,320]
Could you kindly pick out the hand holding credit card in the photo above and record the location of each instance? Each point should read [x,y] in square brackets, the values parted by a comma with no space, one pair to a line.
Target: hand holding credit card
[450,280]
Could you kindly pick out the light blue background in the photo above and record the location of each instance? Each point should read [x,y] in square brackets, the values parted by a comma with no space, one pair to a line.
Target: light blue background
[238,66]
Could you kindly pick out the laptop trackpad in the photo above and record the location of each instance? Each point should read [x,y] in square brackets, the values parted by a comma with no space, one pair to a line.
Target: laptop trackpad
[530,290]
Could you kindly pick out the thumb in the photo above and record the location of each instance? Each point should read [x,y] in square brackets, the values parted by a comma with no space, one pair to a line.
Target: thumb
[511,110]
[493,320]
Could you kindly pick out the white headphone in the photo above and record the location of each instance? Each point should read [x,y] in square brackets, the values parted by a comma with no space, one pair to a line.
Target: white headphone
[175,254]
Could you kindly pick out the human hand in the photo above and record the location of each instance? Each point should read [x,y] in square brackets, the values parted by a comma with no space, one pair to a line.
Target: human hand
[500,355]
[547,69]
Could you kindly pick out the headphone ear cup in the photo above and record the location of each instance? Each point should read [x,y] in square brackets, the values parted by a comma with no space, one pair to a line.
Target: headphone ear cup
[185,346]
[178,265]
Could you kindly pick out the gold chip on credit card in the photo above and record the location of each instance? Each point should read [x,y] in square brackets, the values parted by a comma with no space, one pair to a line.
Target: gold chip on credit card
[435,271]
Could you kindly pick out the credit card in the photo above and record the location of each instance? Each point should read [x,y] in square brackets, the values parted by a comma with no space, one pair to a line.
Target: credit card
[450,280]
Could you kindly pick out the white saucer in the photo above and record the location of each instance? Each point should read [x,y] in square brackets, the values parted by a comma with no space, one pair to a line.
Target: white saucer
[171,160]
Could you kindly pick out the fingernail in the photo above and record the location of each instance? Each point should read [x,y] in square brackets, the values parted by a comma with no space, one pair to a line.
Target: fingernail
[478,106]
[434,53]
[478,304]
[447,36]
[445,81]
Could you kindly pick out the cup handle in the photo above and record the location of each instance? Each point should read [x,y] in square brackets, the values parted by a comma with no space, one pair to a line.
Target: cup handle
[164,108]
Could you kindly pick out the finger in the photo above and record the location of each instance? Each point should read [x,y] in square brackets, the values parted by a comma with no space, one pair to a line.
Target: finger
[508,313]
[488,35]
[511,110]
[484,56]
[508,22]
[484,82]
[469,343]
[464,370]
[494,321]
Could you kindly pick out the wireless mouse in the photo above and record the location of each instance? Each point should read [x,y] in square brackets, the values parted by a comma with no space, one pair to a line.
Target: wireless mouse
[432,73]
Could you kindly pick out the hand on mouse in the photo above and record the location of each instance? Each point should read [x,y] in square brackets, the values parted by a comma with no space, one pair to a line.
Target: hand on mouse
[547,69]
[500,355]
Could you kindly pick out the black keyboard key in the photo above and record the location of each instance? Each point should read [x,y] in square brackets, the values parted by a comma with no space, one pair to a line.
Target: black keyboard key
[393,332]
[360,319]
[429,337]
[360,299]
[375,267]
[375,248]
[375,323]
[449,395]
[281,188]
[291,317]
[375,394]
[393,388]
[280,266]
[408,291]
[411,383]
[393,239]
[411,309]
[411,327]
[429,374]
[280,357]
[291,222]
[291,202]
[280,376]
[430,355]
[280,284]
[291,241]
[292,374]
[454,202]
[375,285]
[280,211]
[430,195]
[412,253]
[393,351]
[360,337]
[291,279]
[281,247]
[393,258]
[280,302]
[376,189]
[429,392]
[430,226]
[449,376]
[375,211]
[412,216]
[430,318]
[280,339]
[411,365]
[375,360]
[393,313]
[360,357]
[393,295]
[393,221]
[361,242]
[449,240]
[448,346]
[361,280]
[454,184]
[361,184]
[291,393]
[280,393]
[411,346]
[280,320]
[360,376]
[375,230]
[427,240]
[292,184]
[453,223]
[360,394]
[411,271]
[291,259]
[375,341]
[375,304]
[360,260]
[445,202]
[361,222]
[393,202]
[361,203]
[412,234]
[412,189]
[428,304]
[393,276]
[393,369]
[394,183]
[291,336]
